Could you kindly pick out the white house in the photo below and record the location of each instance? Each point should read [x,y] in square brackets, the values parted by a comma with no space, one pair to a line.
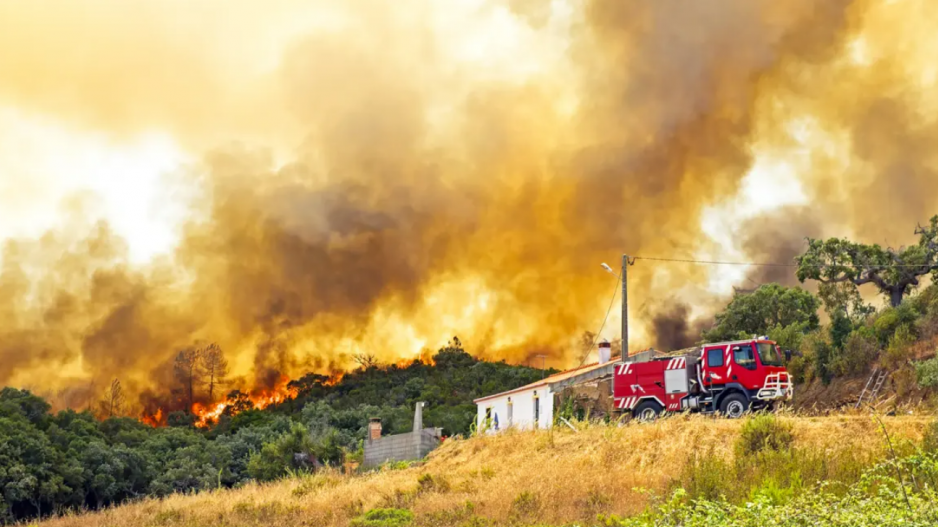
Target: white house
[532,406]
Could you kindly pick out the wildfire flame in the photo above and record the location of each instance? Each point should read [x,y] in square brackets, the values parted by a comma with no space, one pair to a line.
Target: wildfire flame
[155,419]
[335,378]
[208,413]
[260,399]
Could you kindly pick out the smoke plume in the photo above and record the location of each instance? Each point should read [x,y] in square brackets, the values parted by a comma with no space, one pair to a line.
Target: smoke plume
[368,180]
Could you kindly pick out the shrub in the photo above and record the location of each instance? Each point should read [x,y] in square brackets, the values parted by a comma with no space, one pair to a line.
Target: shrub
[888,323]
[430,483]
[763,432]
[384,518]
[859,352]
[799,368]
[771,491]
[818,352]
[898,351]
[926,373]
[526,505]
[930,441]
[706,476]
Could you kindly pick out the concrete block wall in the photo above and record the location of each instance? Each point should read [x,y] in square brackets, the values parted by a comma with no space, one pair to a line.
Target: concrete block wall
[400,447]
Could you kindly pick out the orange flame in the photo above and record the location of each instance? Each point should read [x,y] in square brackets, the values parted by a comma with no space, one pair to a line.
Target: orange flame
[335,378]
[260,399]
[155,419]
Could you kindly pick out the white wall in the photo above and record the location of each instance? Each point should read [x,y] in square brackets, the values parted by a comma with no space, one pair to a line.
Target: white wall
[522,413]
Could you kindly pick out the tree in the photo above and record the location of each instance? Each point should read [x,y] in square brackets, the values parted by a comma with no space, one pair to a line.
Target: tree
[365,360]
[453,356]
[112,403]
[214,368]
[292,451]
[894,272]
[768,307]
[188,372]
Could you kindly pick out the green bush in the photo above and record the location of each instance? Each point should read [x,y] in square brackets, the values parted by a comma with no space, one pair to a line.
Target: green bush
[898,351]
[763,432]
[799,368]
[889,321]
[384,518]
[819,354]
[859,352]
[926,373]
[706,476]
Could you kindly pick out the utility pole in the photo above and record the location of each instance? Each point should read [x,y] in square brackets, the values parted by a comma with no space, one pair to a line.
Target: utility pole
[543,364]
[625,307]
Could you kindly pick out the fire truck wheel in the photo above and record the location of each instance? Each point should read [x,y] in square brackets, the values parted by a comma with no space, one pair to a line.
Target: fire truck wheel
[734,405]
[647,411]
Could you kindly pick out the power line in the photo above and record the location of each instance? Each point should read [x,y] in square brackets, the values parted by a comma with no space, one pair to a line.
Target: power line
[712,262]
[773,264]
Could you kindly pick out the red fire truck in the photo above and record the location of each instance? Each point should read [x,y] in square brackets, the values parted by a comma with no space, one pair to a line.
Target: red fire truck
[727,377]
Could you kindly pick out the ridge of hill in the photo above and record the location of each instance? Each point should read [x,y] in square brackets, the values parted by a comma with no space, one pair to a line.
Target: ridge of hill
[545,477]
[50,462]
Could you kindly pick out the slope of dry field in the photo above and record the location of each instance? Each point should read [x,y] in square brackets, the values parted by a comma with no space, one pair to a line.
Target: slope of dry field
[548,477]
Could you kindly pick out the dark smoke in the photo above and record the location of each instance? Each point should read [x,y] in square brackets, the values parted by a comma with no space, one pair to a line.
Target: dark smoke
[674,330]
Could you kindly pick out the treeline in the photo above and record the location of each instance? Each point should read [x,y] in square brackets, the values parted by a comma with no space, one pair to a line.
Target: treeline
[901,337]
[71,460]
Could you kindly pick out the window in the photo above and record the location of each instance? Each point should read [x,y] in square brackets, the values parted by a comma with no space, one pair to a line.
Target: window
[743,356]
[768,354]
[714,358]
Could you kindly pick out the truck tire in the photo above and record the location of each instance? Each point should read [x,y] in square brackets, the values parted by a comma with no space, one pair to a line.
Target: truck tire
[734,405]
[647,411]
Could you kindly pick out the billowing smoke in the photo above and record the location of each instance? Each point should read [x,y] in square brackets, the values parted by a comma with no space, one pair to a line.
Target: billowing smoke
[366,187]
[674,330]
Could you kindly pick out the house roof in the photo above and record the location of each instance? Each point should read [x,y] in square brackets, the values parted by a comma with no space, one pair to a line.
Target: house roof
[553,379]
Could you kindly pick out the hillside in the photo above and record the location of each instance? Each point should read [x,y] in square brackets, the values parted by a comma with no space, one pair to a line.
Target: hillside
[545,477]
[73,460]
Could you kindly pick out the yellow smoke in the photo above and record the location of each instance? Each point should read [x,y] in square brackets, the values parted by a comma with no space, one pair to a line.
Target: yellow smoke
[368,177]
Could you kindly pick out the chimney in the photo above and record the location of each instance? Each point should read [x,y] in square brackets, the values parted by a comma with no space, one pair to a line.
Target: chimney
[374,429]
[605,351]
[418,418]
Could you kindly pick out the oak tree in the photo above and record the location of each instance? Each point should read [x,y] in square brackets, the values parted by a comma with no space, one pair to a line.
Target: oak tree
[895,272]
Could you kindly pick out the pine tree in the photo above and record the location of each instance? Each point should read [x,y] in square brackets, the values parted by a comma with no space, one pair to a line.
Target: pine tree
[214,368]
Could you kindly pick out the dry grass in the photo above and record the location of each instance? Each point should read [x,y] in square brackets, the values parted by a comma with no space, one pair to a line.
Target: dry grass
[526,477]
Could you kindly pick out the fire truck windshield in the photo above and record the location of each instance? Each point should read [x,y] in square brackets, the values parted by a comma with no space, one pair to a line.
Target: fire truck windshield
[768,354]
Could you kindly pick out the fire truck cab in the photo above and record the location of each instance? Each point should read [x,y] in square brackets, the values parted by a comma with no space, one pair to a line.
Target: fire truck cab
[727,377]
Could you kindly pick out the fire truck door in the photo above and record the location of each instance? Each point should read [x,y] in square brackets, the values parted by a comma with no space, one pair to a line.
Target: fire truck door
[744,369]
[715,365]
